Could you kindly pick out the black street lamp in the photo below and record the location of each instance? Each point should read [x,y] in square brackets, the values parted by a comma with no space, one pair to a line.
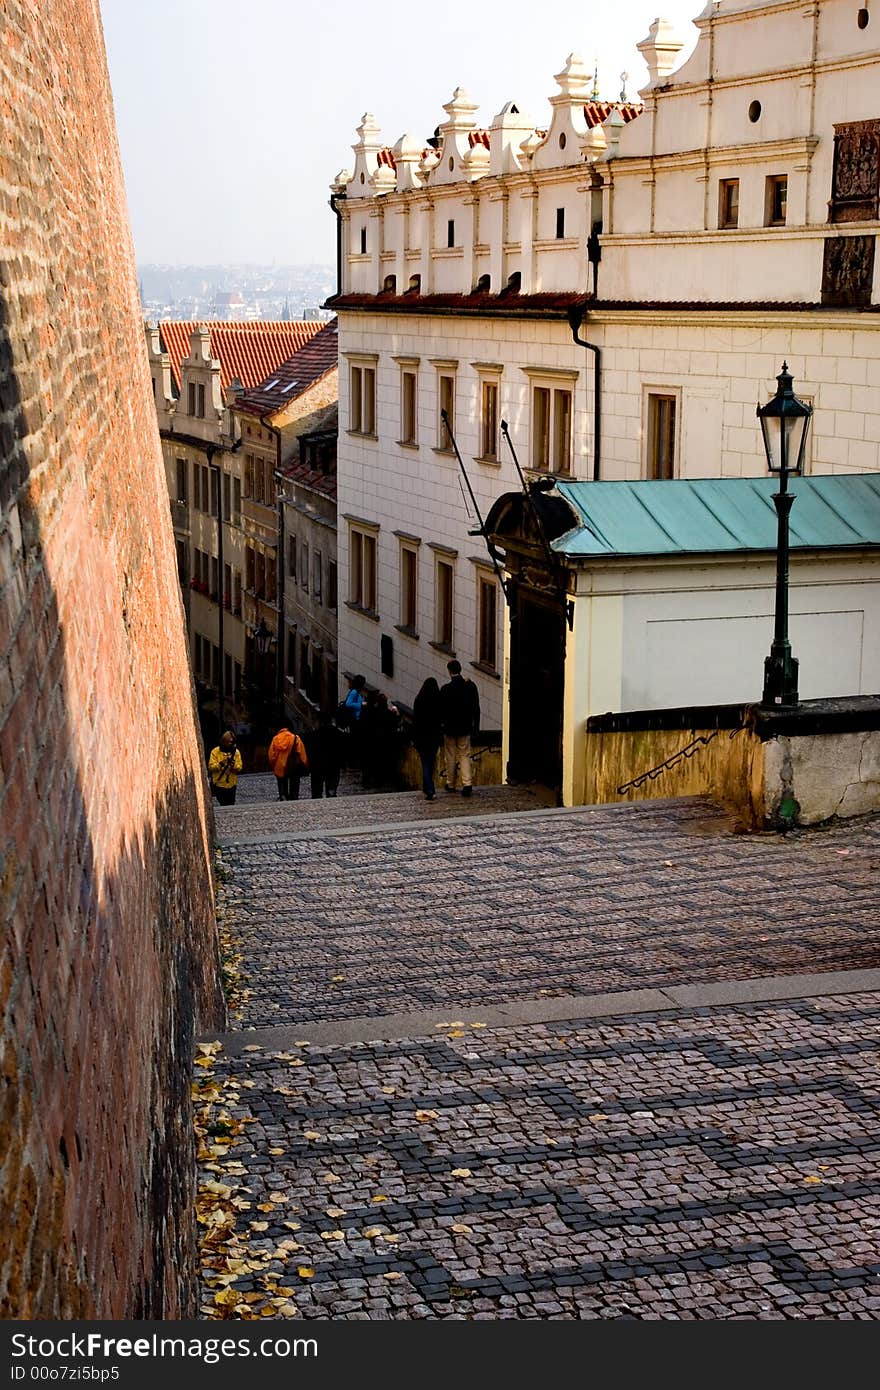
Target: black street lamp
[784,424]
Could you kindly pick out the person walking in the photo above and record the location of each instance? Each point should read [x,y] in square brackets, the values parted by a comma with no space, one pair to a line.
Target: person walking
[288,760]
[324,746]
[348,718]
[224,765]
[427,732]
[460,717]
[380,752]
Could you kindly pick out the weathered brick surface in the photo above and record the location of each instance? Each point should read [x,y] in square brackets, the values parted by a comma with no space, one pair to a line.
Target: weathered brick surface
[108,952]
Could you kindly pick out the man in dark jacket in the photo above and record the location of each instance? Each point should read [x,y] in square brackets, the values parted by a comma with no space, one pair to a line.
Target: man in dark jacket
[460,716]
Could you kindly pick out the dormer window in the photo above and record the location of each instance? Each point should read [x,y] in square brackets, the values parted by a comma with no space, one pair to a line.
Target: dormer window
[415,284]
[513,282]
[389,284]
[483,285]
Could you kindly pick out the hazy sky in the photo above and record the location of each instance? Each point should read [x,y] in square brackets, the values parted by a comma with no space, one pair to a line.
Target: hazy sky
[234,116]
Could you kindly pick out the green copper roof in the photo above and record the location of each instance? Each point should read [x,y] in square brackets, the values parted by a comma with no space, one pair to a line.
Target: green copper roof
[719,515]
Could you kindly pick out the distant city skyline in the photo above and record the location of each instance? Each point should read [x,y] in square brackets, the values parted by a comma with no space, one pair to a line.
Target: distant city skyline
[232,131]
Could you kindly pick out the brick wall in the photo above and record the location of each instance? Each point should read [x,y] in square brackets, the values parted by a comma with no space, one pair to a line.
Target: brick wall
[108,949]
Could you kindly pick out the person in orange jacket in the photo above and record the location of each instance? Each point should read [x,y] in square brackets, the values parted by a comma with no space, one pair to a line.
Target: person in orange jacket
[288,761]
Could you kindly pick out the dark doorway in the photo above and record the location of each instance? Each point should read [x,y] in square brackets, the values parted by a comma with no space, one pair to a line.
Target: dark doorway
[537,659]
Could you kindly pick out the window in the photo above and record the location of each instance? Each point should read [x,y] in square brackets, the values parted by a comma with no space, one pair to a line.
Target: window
[487,622]
[560,223]
[408,588]
[291,557]
[236,593]
[248,475]
[291,654]
[446,396]
[728,203]
[661,436]
[182,562]
[236,502]
[191,398]
[332,599]
[776,200]
[227,496]
[304,567]
[408,408]
[214,477]
[271,577]
[182,491]
[304,663]
[363,241]
[227,586]
[363,400]
[443,604]
[258,480]
[317,587]
[363,570]
[260,579]
[250,569]
[450,232]
[269,485]
[489,420]
[551,429]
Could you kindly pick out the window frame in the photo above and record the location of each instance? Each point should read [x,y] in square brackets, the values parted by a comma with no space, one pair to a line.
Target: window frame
[408,606]
[774,183]
[652,394]
[728,216]
[363,567]
[362,379]
[487,582]
[553,391]
[444,605]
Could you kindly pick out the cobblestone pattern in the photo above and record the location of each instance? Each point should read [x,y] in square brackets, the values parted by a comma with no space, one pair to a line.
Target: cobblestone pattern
[567,903]
[258,814]
[703,1164]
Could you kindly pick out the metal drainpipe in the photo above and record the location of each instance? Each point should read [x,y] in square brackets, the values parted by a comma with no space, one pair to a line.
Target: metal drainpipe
[335,200]
[575,319]
[279,564]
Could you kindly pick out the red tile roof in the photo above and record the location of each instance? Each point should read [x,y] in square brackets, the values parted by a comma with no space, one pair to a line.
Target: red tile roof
[478,137]
[302,473]
[292,377]
[248,351]
[598,111]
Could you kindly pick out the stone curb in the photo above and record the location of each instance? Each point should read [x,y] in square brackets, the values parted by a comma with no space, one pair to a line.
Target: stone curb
[620,1004]
[226,839]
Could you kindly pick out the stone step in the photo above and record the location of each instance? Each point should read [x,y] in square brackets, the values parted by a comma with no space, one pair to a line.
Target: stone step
[253,821]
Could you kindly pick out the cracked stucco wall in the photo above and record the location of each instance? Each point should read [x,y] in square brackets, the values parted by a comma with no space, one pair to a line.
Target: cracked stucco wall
[826,775]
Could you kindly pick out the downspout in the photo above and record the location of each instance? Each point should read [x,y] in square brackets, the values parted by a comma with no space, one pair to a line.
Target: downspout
[335,200]
[282,571]
[575,320]
[279,561]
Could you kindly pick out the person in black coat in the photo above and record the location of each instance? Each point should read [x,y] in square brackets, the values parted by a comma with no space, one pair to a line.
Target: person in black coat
[380,752]
[325,746]
[460,714]
[427,733]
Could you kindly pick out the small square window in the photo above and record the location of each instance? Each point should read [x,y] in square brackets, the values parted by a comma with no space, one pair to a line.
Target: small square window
[728,203]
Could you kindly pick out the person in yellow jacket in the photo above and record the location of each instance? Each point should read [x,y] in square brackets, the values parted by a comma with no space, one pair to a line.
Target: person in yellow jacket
[224,765]
[288,760]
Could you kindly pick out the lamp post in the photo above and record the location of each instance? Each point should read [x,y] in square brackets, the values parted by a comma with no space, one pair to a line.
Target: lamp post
[784,423]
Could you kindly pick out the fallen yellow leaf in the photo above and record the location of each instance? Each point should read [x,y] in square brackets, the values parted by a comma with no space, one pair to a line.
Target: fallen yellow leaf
[813,1177]
[276,1151]
[333,1235]
[597,1116]
[380,1197]
[259,1225]
[372,1232]
[336,1211]
[393,1274]
[460,1228]
[388,1090]
[426,1115]
[461,1172]
[292,1225]
[252,1047]
[305,1272]
[311,1134]
[331,1177]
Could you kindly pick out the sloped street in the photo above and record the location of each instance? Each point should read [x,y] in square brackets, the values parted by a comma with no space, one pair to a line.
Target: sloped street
[612,1062]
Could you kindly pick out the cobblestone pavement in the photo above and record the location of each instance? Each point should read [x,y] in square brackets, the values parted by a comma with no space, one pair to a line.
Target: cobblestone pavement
[692,1162]
[470,913]
[713,1163]
[258,814]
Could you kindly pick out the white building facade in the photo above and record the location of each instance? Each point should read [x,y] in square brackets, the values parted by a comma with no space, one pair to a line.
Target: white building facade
[689,243]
